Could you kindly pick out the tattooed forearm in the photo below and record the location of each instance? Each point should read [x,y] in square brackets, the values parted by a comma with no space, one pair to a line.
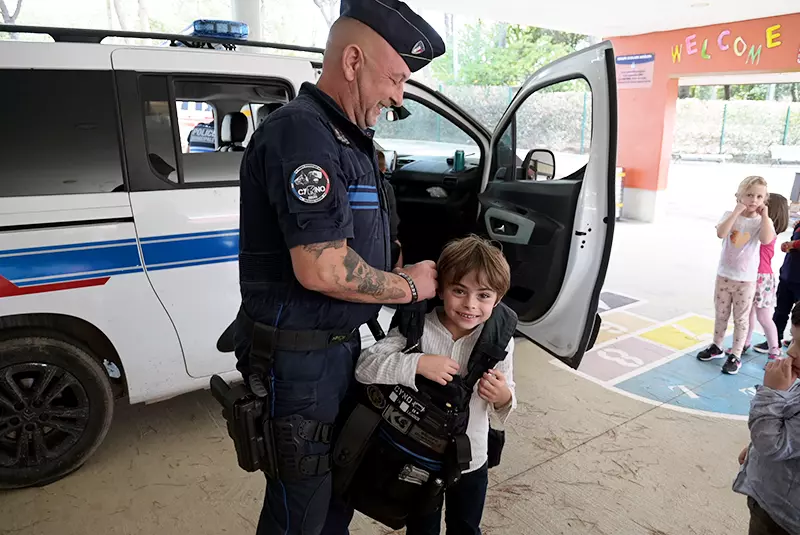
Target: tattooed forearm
[334,269]
[318,248]
[370,281]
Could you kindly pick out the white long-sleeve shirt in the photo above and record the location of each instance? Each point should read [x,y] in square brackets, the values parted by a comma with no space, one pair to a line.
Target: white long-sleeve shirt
[385,363]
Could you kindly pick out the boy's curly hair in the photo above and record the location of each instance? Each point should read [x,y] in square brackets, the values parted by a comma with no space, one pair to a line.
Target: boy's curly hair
[473,253]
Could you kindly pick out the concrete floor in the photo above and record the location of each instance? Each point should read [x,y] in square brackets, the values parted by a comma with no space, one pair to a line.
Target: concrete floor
[579,459]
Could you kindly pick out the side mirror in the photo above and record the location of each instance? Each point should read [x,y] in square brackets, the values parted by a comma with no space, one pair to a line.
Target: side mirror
[539,163]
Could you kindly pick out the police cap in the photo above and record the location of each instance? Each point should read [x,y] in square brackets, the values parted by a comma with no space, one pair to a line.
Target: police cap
[408,33]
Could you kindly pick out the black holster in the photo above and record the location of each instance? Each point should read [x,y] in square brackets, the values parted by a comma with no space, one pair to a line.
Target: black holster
[247,419]
[273,445]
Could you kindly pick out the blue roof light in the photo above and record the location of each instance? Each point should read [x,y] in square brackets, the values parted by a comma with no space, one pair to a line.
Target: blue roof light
[219,29]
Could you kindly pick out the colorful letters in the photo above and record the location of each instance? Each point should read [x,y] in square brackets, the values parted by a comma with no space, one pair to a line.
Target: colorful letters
[740,46]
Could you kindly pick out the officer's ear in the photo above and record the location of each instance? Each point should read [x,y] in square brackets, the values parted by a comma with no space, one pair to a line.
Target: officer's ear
[352,61]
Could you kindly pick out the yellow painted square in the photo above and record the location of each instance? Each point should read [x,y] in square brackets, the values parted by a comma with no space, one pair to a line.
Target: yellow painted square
[627,321]
[617,324]
[697,325]
[672,336]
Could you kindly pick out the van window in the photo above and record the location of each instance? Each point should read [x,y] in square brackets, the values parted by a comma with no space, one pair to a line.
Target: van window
[212,124]
[59,133]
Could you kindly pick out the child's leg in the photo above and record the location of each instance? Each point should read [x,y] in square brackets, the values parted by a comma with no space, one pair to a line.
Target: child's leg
[464,503]
[753,311]
[783,307]
[429,524]
[743,294]
[765,319]
[760,522]
[722,305]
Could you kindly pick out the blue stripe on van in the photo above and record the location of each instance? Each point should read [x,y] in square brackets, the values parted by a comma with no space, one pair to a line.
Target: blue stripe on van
[79,261]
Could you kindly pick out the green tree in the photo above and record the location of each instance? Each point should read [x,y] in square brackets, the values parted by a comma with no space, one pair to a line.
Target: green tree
[501,54]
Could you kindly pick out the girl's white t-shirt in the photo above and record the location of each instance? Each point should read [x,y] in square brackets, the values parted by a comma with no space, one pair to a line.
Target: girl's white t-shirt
[740,248]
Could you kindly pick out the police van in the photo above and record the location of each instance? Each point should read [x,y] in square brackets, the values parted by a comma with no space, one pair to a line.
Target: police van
[119,243]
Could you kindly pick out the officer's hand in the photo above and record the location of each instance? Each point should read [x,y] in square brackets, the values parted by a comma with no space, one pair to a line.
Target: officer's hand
[424,276]
[439,368]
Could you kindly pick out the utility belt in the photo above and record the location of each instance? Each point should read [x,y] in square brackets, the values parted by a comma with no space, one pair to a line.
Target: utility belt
[263,442]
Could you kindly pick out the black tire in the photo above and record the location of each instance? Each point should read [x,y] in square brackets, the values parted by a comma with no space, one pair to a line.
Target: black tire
[56,429]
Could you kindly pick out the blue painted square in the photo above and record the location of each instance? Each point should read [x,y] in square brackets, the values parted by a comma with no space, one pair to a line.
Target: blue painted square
[724,395]
[714,391]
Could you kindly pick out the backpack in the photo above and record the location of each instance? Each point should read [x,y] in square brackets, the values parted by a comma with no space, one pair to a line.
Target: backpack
[399,450]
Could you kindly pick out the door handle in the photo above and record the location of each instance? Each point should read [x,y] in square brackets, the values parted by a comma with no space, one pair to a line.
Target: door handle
[524,226]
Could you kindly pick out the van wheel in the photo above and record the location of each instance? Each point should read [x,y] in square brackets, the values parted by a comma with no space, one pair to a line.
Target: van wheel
[56,406]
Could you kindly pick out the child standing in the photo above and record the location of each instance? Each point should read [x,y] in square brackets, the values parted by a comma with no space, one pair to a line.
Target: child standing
[740,230]
[771,463]
[766,285]
[789,281]
[473,277]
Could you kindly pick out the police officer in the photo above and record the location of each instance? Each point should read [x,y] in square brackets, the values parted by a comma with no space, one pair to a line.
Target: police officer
[314,248]
[202,138]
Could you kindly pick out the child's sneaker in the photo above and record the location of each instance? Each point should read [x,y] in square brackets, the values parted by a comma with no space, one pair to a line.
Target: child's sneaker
[710,353]
[732,365]
[763,347]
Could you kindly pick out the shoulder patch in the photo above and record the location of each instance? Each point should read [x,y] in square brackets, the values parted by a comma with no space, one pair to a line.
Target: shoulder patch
[310,183]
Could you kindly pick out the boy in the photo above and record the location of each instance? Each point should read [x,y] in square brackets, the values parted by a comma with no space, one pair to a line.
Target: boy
[473,277]
[771,463]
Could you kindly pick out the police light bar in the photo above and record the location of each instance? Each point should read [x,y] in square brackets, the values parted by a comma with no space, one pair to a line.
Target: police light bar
[219,29]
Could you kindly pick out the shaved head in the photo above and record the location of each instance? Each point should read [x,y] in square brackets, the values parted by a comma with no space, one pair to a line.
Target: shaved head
[362,72]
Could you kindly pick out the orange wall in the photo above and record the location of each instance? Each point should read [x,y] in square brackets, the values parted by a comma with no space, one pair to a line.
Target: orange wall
[647,115]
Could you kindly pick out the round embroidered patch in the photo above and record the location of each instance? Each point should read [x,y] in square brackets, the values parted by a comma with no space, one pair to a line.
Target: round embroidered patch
[310,183]
[376,396]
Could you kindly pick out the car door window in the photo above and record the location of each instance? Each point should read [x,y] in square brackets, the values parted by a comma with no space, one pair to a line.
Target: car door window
[557,118]
[425,133]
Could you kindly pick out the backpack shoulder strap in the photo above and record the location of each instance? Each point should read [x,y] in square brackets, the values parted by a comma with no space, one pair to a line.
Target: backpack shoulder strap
[410,320]
[491,345]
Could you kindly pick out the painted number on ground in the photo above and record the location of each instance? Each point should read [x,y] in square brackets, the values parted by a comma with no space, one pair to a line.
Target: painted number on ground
[620,357]
[685,390]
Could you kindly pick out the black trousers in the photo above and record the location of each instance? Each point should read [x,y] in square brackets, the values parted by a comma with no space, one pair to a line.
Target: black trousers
[760,521]
[463,508]
[788,295]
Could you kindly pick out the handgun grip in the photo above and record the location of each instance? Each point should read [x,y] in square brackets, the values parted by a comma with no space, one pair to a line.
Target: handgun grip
[219,388]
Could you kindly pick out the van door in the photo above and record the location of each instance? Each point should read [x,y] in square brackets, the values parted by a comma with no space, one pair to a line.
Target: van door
[185,194]
[554,215]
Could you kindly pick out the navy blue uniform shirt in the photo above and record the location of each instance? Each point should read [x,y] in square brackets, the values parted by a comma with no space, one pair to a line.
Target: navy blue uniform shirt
[309,175]
[790,270]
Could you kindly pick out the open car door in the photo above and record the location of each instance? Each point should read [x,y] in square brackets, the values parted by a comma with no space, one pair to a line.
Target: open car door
[554,216]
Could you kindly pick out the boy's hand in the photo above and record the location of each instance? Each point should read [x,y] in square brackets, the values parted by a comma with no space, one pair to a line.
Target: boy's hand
[439,368]
[780,375]
[763,210]
[743,455]
[786,246]
[740,208]
[494,389]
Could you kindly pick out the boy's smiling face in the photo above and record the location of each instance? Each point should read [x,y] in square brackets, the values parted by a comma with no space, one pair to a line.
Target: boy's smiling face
[468,303]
